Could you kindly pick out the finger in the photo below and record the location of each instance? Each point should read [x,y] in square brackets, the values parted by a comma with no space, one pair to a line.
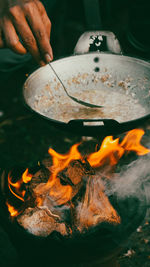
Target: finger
[45,18]
[38,28]
[25,32]
[46,22]
[11,37]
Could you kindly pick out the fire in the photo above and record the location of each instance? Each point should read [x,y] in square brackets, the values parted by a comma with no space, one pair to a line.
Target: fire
[60,193]
[96,206]
[16,188]
[60,162]
[13,212]
[26,176]
[112,151]
[132,140]
[109,150]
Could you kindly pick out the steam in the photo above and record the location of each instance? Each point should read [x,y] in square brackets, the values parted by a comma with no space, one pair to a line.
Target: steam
[134,180]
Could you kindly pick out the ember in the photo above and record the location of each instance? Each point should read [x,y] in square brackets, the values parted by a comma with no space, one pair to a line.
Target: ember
[67,194]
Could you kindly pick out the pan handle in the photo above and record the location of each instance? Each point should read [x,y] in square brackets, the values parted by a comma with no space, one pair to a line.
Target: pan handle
[93,122]
[102,40]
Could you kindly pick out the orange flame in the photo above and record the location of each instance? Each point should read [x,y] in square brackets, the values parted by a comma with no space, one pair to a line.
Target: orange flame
[60,162]
[15,188]
[13,212]
[60,193]
[132,140]
[16,191]
[26,176]
[111,151]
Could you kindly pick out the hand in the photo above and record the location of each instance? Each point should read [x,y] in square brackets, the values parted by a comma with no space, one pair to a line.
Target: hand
[28,20]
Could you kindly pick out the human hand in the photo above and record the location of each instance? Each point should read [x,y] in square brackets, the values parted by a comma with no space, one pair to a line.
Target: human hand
[26,19]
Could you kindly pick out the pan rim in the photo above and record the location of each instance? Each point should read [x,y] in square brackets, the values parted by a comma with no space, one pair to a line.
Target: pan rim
[127,57]
[96,127]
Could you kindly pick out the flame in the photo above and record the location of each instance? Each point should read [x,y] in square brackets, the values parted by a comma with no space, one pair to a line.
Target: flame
[111,149]
[13,212]
[110,152]
[16,188]
[60,162]
[58,192]
[132,140]
[26,176]
[16,191]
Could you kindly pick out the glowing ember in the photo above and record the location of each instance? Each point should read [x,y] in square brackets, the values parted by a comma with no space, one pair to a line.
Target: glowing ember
[54,196]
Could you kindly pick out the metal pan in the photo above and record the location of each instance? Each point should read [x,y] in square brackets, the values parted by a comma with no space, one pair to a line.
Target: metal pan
[119,83]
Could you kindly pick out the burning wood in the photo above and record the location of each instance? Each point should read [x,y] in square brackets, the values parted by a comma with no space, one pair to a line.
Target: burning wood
[76,170]
[95,208]
[40,222]
[50,210]
[66,194]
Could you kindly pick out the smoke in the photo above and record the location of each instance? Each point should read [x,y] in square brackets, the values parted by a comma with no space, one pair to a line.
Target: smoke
[133,180]
[95,207]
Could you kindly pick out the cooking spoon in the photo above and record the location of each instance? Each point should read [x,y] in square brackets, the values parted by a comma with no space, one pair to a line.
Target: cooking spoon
[72,97]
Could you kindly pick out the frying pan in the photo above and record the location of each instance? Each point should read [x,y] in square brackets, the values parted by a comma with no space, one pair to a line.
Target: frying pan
[121,84]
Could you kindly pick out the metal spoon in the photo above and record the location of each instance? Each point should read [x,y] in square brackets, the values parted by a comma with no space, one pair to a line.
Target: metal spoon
[72,97]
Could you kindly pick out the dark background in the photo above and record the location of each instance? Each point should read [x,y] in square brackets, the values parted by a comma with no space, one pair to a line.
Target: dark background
[123,17]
